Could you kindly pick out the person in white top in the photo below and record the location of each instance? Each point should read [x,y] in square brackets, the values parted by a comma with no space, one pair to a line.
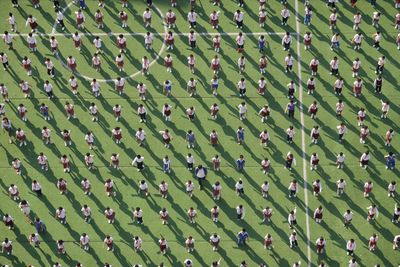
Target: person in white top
[288,63]
[32,22]
[145,65]
[241,64]
[285,14]
[147,18]
[238,18]
[356,67]
[87,213]
[242,87]
[97,42]
[61,215]
[380,65]
[80,19]
[372,212]
[168,63]
[84,241]
[340,160]
[377,39]
[170,19]
[60,18]
[73,83]
[191,87]
[351,247]
[353,263]
[392,189]
[286,41]
[95,85]
[334,64]
[11,21]
[385,108]
[148,40]
[356,21]
[214,19]
[189,184]
[293,243]
[192,18]
[347,218]
[96,62]
[191,60]
[240,39]
[239,187]
[357,40]
[242,111]
[340,186]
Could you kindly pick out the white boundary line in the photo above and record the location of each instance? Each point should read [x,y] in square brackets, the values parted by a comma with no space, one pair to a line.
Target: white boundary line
[154,33]
[303,133]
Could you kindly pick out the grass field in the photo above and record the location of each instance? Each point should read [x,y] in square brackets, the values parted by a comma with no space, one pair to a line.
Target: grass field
[178,202]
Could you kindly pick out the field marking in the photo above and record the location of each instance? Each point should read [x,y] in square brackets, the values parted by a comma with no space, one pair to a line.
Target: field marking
[156,55]
[144,33]
[303,133]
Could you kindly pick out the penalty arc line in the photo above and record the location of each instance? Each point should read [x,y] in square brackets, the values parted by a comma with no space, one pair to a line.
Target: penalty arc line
[156,55]
[303,133]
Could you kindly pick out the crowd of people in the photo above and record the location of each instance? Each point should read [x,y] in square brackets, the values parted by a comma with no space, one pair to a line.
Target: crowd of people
[19,136]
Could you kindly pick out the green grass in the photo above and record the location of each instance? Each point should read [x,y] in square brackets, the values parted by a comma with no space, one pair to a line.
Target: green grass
[178,202]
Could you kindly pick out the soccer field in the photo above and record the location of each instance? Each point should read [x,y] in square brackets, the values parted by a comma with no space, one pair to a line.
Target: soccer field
[127,179]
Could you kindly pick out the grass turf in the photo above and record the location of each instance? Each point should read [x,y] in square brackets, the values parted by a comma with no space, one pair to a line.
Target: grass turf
[226,125]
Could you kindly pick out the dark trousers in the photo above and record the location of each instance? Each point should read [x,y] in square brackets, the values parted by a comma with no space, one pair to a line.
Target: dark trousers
[5,65]
[378,88]
[142,116]
[291,113]
[14,2]
[193,44]
[285,20]
[38,193]
[61,22]
[338,90]
[289,68]
[341,137]
[335,71]
[50,71]
[379,68]
[201,182]
[239,23]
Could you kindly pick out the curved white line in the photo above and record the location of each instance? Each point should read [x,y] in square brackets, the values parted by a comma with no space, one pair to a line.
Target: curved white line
[157,55]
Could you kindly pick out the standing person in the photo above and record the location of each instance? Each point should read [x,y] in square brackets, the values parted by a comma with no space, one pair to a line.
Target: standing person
[216,43]
[292,218]
[4,92]
[357,40]
[214,213]
[340,160]
[390,161]
[364,160]
[167,137]
[76,37]
[168,62]
[267,214]
[201,175]
[142,112]
[192,19]
[60,18]
[308,15]
[11,21]
[119,85]
[242,237]
[238,18]
[109,243]
[261,43]
[80,19]
[119,61]
[84,241]
[307,41]
[318,214]
[356,20]
[60,215]
[145,66]
[290,108]
[123,17]
[285,14]
[385,109]
[240,39]
[8,40]
[216,190]
[340,186]
[377,37]
[192,39]
[293,189]
[242,111]
[380,65]
[96,62]
[314,63]
[32,42]
[241,85]
[190,139]
[240,212]
[216,162]
[240,135]
[288,63]
[286,41]
[240,163]
[189,244]
[95,85]
[356,67]
[293,241]
[170,19]
[351,247]
[334,64]
[378,84]
[320,244]
[214,19]
[50,67]
[241,64]
[32,22]
[4,61]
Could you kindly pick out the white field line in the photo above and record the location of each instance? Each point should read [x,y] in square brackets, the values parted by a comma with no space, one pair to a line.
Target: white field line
[303,133]
[144,33]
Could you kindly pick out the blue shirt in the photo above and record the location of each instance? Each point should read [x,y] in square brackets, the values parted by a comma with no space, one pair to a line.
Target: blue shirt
[190,137]
[240,164]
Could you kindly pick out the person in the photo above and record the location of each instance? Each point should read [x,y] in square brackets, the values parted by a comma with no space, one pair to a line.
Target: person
[60,18]
[168,63]
[119,61]
[285,14]
[123,17]
[61,247]
[267,214]
[340,186]
[347,218]
[138,214]
[364,159]
[241,85]
[286,41]
[372,242]
[8,221]
[214,213]
[390,160]
[214,241]
[109,243]
[32,42]
[216,190]
[114,161]
[239,187]
[36,188]
[396,214]
[318,214]
[61,215]
[87,213]
[190,137]
[214,87]
[293,240]
[190,113]
[396,242]
[163,186]
[377,37]
[385,108]
[4,61]
[340,160]
[216,43]
[80,19]
[372,212]
[167,88]
[62,186]
[238,18]
[164,216]
[192,19]
[20,136]
[264,140]
[288,63]
[6,247]
[139,161]
[293,189]
[240,39]
[265,189]
[73,82]
[292,218]
[351,247]
[167,137]
[169,40]
[17,165]
[32,22]
[50,71]
[84,241]
[140,136]
[356,20]
[13,192]
[170,19]
[110,215]
[201,175]
[240,212]
[262,64]
[189,244]
[242,237]
[189,188]
[216,162]
[312,110]
[308,15]
[368,186]
[192,214]
[147,15]
[392,189]
[389,137]
[314,161]
[290,108]
[86,186]
[268,242]
[320,244]
[241,64]
[137,244]
[357,40]
[96,63]
[166,165]
[109,188]
[380,65]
